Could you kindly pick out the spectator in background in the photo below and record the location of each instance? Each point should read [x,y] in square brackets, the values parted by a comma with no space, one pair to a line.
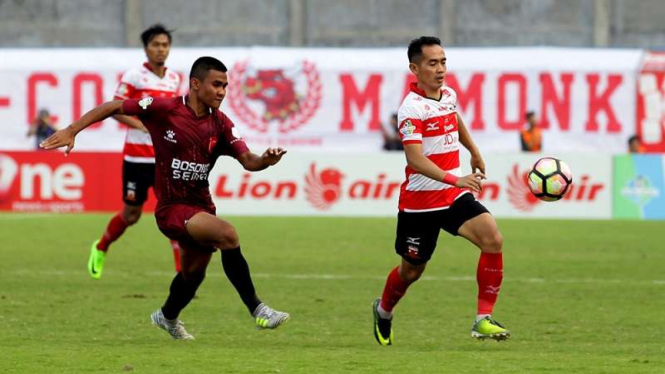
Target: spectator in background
[635,144]
[391,140]
[531,137]
[42,127]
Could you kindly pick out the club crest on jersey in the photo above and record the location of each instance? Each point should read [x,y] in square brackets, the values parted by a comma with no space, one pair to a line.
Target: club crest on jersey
[212,143]
[407,128]
[145,102]
[170,136]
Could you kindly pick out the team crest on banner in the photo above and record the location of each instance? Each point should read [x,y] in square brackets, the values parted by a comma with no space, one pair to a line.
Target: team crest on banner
[285,98]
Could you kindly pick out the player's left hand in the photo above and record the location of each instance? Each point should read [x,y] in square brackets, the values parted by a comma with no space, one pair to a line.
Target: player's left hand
[61,138]
[272,155]
[477,163]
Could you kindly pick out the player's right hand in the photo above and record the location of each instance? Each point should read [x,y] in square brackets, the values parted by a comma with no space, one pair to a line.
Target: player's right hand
[472,182]
[61,138]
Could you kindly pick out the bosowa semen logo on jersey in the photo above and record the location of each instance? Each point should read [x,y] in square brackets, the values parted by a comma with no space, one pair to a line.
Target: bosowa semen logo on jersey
[287,98]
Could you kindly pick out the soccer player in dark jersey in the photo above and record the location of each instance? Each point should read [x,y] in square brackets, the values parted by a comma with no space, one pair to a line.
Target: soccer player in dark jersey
[189,133]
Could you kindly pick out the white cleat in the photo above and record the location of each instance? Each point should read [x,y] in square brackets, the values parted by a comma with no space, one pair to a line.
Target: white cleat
[269,318]
[174,327]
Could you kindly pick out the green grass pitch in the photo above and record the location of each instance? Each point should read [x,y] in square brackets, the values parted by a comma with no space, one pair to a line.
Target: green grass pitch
[579,296]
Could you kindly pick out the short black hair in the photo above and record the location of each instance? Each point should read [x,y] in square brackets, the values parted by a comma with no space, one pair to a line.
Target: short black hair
[152,31]
[415,51]
[203,65]
[634,138]
[529,114]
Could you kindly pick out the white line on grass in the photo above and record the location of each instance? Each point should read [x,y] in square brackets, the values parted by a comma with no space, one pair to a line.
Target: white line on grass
[334,277]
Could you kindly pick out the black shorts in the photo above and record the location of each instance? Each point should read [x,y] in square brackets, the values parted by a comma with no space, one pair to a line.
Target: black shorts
[136,179]
[417,233]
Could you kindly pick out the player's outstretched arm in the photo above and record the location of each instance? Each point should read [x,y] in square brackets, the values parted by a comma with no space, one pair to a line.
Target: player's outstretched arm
[253,162]
[130,122]
[65,137]
[423,165]
[477,162]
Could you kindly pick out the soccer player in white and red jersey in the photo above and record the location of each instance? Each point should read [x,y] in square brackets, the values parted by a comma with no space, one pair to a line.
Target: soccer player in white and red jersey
[189,134]
[152,79]
[436,196]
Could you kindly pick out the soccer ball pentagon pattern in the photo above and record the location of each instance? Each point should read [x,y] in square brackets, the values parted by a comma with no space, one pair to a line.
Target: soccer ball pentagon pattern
[550,179]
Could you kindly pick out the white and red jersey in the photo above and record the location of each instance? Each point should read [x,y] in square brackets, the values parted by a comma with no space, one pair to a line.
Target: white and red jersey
[137,84]
[433,123]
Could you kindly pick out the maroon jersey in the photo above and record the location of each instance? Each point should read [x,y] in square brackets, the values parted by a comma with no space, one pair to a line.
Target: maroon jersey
[186,147]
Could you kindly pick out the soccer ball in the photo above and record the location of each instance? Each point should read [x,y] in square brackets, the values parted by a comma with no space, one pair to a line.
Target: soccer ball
[550,179]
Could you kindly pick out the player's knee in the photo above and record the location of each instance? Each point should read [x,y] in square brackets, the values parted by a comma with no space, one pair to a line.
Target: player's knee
[411,274]
[228,239]
[492,243]
[132,217]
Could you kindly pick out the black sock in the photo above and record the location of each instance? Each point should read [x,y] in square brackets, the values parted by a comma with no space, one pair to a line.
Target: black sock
[181,293]
[237,271]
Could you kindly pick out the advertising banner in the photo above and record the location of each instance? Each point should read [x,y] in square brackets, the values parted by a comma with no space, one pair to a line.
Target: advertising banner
[368,185]
[639,187]
[309,184]
[50,182]
[651,102]
[338,100]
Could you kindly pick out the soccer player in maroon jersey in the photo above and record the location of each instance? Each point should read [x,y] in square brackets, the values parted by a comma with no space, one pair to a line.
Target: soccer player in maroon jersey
[436,196]
[138,166]
[189,133]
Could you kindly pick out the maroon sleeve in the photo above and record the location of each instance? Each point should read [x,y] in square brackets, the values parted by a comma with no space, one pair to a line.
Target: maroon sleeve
[237,145]
[146,106]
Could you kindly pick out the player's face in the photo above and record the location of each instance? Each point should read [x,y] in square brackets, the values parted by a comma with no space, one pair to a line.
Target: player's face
[213,89]
[158,49]
[431,70]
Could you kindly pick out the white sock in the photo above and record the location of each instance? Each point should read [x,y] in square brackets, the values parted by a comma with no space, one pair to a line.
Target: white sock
[481,316]
[384,314]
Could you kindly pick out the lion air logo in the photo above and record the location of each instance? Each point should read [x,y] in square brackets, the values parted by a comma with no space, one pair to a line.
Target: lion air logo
[324,188]
[519,194]
[263,98]
[8,171]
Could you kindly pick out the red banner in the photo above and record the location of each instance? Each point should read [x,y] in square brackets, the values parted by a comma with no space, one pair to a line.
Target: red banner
[50,182]
[651,102]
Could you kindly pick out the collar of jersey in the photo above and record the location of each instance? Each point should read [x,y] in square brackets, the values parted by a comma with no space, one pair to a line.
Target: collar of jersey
[149,68]
[184,102]
[414,88]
